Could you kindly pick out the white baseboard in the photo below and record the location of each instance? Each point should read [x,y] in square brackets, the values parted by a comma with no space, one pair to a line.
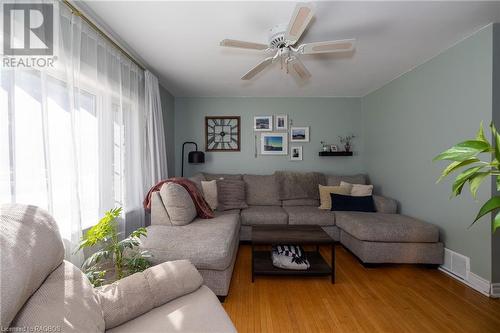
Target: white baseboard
[475,282]
[495,290]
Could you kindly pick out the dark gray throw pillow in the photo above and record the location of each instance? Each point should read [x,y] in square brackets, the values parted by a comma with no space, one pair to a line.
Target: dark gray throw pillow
[231,194]
[354,204]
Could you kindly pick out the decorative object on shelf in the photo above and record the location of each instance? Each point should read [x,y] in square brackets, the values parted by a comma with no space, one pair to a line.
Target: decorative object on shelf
[335,153]
[467,154]
[324,147]
[346,141]
[194,157]
[262,123]
[274,144]
[334,148]
[299,134]
[281,122]
[124,255]
[296,153]
[222,133]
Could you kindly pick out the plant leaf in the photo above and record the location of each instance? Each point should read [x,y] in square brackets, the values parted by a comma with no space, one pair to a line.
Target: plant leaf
[475,181]
[464,150]
[488,206]
[497,141]
[463,178]
[454,166]
[480,134]
[496,222]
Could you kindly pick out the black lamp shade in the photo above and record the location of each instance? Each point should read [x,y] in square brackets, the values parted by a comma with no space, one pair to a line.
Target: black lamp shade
[196,157]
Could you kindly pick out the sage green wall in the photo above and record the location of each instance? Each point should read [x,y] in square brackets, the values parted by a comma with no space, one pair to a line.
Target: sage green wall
[327,118]
[412,119]
[168,109]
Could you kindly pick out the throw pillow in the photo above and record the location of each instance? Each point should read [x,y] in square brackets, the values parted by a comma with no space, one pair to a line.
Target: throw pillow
[351,203]
[210,192]
[231,194]
[324,194]
[358,190]
[178,203]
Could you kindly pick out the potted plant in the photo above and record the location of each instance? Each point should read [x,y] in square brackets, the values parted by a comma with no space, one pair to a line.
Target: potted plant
[465,155]
[346,140]
[114,258]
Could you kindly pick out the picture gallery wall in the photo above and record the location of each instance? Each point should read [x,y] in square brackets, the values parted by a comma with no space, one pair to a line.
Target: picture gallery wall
[275,133]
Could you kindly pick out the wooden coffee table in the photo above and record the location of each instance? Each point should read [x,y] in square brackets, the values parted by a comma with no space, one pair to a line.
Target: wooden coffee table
[278,234]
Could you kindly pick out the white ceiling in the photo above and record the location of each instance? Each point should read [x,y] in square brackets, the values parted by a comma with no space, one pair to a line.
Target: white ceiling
[180,42]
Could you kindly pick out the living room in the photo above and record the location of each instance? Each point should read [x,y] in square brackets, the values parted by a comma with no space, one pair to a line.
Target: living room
[250,166]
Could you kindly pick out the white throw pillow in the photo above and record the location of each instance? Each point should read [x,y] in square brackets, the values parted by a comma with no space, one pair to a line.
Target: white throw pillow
[178,203]
[210,192]
[359,190]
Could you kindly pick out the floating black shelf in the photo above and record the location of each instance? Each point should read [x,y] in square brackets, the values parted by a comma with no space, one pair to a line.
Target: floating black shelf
[335,153]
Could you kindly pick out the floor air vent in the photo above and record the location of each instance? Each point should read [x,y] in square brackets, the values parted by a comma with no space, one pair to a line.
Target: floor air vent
[456,264]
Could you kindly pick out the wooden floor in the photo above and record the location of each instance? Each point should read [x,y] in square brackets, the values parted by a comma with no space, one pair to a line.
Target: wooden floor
[401,298]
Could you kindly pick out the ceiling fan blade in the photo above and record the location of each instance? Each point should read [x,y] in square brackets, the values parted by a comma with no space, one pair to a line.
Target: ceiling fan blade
[344,45]
[257,69]
[301,17]
[242,44]
[299,68]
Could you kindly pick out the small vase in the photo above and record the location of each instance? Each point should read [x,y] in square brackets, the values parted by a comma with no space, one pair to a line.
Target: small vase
[347,147]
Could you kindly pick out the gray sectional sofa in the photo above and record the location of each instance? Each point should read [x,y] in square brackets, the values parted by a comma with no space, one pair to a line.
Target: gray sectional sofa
[211,245]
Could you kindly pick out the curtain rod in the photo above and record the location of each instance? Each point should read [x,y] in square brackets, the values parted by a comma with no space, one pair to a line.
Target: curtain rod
[77,12]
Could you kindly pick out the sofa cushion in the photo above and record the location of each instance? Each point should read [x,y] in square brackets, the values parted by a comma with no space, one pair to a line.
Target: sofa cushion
[197,179]
[31,248]
[254,215]
[65,300]
[209,190]
[261,190]
[358,190]
[354,179]
[178,203]
[207,243]
[138,293]
[385,205]
[309,215]
[326,199]
[231,194]
[352,203]
[300,202]
[379,227]
[218,176]
[298,185]
[199,311]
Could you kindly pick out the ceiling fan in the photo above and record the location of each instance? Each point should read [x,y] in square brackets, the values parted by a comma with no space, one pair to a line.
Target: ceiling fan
[282,40]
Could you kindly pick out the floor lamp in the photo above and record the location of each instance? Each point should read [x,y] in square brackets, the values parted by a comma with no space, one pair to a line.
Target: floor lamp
[194,157]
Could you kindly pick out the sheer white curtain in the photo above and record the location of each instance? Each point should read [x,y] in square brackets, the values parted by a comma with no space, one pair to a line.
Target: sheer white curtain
[72,137]
[156,158]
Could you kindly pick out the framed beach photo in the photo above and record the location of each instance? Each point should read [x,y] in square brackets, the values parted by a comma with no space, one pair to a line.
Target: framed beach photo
[263,123]
[281,122]
[274,144]
[299,134]
[296,153]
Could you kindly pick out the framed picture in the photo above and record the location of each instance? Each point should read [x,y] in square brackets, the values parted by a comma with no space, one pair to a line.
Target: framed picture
[281,122]
[274,144]
[334,148]
[222,133]
[299,134]
[296,153]
[263,123]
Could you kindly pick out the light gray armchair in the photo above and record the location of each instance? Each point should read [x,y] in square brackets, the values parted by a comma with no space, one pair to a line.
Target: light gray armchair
[40,291]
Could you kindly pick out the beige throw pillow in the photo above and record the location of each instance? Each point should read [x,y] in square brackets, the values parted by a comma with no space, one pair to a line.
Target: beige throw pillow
[358,190]
[210,192]
[324,194]
[178,203]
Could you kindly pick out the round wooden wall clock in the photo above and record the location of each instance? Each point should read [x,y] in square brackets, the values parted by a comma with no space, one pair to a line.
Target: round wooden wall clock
[222,133]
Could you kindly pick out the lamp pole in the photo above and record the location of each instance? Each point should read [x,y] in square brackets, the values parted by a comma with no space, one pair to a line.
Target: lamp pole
[182,163]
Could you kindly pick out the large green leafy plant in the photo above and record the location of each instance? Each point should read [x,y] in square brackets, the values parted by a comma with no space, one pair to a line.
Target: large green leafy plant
[465,157]
[123,254]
